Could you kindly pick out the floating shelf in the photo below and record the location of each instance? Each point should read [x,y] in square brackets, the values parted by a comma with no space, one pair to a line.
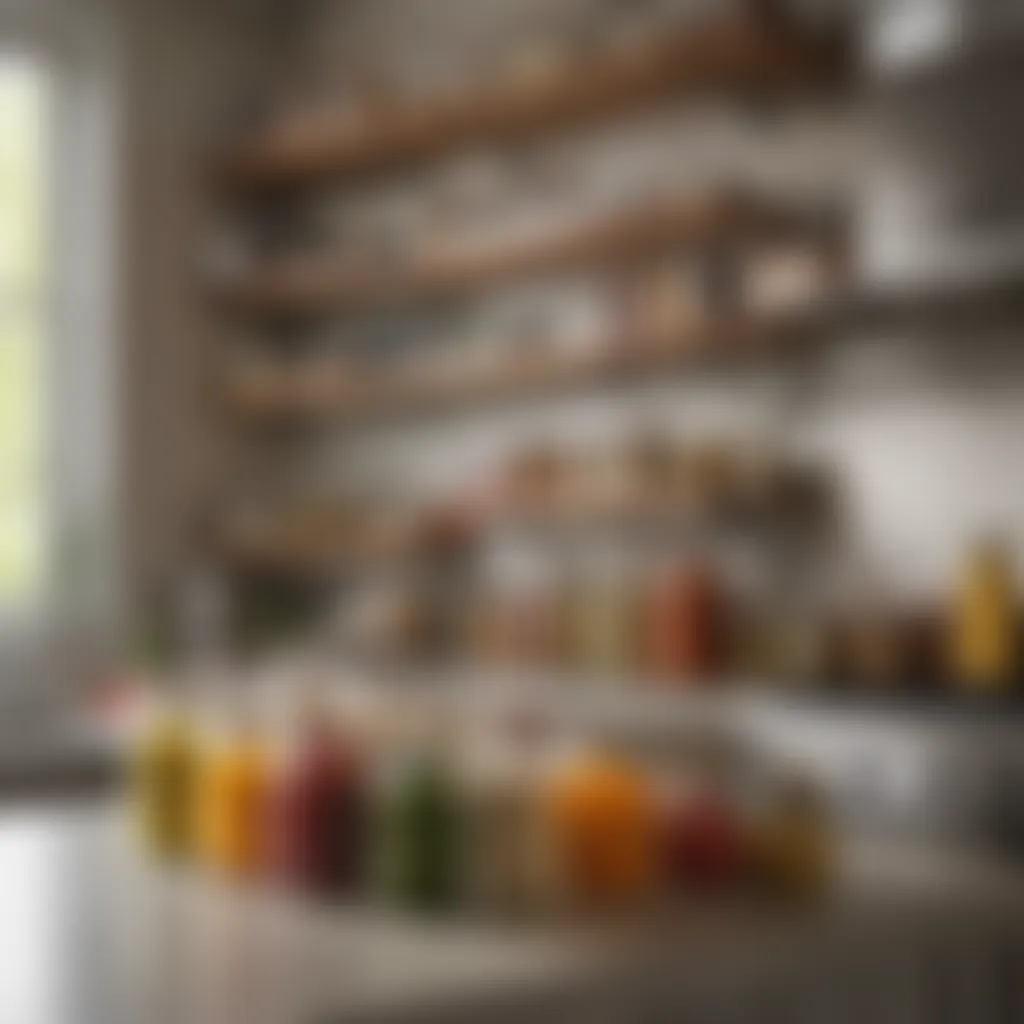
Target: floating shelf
[995,297]
[743,55]
[311,285]
[743,340]
[294,555]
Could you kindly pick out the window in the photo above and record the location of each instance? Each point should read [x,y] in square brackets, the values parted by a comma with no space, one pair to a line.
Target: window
[25,300]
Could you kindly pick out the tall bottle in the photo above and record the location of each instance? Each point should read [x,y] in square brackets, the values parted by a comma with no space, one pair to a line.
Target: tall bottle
[796,854]
[319,818]
[686,626]
[984,621]
[510,864]
[420,830]
[605,819]
[233,802]
[165,774]
[605,624]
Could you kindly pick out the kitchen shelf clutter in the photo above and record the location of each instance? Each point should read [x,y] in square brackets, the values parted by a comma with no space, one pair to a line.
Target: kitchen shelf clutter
[438,269]
[670,285]
[661,562]
[750,54]
[489,282]
[261,392]
[653,485]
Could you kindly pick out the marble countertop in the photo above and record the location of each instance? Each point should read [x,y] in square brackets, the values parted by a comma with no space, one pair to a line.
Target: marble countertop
[91,933]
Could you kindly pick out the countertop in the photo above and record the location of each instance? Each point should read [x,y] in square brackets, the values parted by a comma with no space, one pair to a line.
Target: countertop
[92,934]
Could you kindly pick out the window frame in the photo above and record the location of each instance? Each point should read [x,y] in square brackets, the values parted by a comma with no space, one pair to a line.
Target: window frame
[77,51]
[16,616]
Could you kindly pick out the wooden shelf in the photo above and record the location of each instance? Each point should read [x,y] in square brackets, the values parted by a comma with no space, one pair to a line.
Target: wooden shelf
[311,285]
[733,54]
[952,302]
[282,556]
[743,340]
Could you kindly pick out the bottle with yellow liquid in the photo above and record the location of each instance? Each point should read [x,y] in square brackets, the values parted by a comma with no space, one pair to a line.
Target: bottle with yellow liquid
[984,622]
[232,802]
[795,853]
[164,782]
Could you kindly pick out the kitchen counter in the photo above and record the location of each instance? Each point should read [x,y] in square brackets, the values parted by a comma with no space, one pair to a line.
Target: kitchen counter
[91,934]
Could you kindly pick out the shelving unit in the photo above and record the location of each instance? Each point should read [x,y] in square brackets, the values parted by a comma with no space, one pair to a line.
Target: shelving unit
[665,518]
[753,57]
[994,297]
[317,284]
[748,341]
[742,55]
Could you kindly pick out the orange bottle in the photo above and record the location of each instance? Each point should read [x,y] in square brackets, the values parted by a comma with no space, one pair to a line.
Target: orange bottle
[235,783]
[605,828]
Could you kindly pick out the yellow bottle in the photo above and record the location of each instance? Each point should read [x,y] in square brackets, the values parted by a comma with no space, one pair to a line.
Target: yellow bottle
[232,806]
[164,783]
[794,849]
[984,626]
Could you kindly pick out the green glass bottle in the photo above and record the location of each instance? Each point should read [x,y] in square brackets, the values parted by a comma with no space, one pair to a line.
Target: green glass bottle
[419,826]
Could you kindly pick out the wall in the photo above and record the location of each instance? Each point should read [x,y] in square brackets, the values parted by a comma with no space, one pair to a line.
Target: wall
[925,424]
[923,435]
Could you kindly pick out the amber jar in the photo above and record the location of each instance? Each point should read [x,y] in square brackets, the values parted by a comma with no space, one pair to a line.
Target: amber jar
[687,625]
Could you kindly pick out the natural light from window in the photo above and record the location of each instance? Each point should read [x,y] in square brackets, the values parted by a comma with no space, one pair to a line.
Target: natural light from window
[25,301]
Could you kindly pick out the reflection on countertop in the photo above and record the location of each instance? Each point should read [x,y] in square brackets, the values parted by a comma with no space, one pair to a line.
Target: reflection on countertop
[93,934]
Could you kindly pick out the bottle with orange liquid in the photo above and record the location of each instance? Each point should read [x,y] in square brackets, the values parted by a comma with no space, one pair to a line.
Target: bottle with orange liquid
[604,823]
[233,799]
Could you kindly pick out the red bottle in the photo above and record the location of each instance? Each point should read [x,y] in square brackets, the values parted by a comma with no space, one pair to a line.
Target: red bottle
[687,625]
[703,843]
[321,815]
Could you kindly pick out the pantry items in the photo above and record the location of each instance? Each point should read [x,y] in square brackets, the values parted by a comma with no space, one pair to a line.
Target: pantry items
[419,842]
[604,822]
[165,781]
[497,812]
[985,640]
[889,648]
[704,843]
[390,621]
[794,847]
[687,625]
[234,794]
[321,810]
[664,560]
[511,850]
[785,280]
[605,623]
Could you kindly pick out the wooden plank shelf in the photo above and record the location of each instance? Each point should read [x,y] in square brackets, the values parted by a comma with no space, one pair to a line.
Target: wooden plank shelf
[742,54]
[311,285]
[743,340]
[272,556]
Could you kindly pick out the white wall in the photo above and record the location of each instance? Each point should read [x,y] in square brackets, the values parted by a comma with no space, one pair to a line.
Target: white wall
[926,427]
[925,438]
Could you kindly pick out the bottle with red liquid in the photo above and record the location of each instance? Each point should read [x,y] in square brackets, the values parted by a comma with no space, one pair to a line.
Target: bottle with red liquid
[320,819]
[687,624]
[703,843]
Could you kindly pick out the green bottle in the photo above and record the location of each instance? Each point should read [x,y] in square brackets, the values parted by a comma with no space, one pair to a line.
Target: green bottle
[419,825]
